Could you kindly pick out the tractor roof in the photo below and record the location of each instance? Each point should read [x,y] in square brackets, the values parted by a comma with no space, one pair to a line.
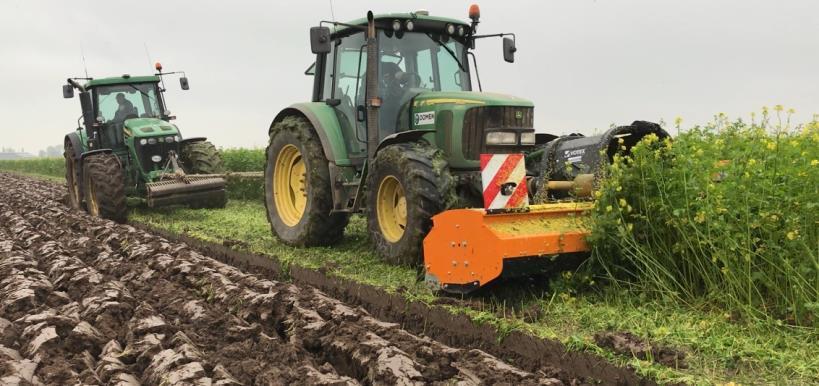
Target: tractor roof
[124,79]
[403,16]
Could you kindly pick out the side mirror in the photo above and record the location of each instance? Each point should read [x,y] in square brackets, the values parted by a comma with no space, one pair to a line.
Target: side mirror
[509,50]
[320,40]
[68,91]
[183,82]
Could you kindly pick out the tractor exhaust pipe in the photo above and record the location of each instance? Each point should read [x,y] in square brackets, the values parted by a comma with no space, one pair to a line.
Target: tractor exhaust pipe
[373,100]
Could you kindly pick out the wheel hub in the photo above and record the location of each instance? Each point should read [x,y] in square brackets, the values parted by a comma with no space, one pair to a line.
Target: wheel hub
[290,185]
[391,209]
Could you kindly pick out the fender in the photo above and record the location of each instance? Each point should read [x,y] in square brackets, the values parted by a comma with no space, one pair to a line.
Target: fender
[193,139]
[325,122]
[74,139]
[97,151]
[403,137]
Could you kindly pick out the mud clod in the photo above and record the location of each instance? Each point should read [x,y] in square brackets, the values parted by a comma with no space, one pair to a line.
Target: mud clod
[88,301]
[628,344]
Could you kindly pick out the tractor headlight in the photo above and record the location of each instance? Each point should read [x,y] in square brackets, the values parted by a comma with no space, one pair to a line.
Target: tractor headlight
[152,141]
[396,25]
[461,30]
[156,158]
[143,141]
[177,138]
[527,138]
[169,139]
[450,29]
[501,138]
[409,25]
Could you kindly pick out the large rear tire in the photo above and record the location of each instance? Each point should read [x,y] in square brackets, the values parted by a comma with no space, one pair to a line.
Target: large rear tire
[73,177]
[104,187]
[298,190]
[203,158]
[408,184]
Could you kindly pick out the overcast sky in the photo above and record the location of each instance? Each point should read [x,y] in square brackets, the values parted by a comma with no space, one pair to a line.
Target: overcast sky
[585,64]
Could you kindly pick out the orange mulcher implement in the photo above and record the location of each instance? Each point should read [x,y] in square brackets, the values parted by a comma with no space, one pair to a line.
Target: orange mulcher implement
[467,248]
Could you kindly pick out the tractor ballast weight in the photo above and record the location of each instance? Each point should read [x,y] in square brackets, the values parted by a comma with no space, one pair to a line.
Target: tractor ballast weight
[468,248]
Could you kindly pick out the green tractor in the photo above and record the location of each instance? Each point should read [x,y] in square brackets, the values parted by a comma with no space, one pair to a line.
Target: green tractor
[126,147]
[395,130]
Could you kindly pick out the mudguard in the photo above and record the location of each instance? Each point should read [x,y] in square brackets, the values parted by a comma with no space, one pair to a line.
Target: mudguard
[97,151]
[325,121]
[76,144]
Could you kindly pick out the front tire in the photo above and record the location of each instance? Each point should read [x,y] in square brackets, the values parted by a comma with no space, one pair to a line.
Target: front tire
[298,191]
[201,158]
[408,184]
[104,187]
[72,177]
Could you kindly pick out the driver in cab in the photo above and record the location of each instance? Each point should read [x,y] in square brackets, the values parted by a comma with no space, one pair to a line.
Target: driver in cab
[125,109]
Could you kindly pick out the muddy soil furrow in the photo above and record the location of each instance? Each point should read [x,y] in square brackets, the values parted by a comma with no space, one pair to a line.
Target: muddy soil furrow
[153,310]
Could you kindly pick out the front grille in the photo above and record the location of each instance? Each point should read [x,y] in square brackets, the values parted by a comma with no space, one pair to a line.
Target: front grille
[145,152]
[478,119]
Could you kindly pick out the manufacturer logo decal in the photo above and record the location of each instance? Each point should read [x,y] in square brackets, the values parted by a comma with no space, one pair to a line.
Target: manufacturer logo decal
[427,118]
[518,115]
[574,156]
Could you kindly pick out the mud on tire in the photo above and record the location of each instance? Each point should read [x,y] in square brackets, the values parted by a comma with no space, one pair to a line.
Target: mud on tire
[201,158]
[104,187]
[73,177]
[428,187]
[316,226]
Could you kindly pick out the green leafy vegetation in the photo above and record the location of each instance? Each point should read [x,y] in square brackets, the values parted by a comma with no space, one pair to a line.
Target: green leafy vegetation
[53,167]
[243,160]
[727,213]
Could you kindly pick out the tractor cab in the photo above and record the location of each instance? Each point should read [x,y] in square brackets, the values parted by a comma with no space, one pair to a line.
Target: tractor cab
[125,103]
[422,80]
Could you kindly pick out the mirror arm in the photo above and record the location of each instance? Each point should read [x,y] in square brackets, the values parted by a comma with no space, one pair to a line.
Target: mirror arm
[477,74]
[336,24]
[500,35]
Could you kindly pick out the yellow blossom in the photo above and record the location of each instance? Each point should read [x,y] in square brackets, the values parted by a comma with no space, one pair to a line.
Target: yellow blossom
[771,145]
[608,208]
[814,162]
[779,108]
[792,235]
[678,121]
[751,162]
[700,217]
[623,202]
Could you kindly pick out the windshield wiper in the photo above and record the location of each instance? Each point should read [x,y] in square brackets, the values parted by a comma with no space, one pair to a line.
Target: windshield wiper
[150,98]
[449,50]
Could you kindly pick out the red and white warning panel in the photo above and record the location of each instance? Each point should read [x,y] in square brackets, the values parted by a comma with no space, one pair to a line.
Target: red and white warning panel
[504,181]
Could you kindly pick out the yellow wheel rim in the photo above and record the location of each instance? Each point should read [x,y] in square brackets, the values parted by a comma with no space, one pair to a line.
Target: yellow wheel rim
[290,185]
[391,209]
[93,204]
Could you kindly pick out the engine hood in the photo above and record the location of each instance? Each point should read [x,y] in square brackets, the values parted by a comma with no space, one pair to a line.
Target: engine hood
[149,127]
[433,98]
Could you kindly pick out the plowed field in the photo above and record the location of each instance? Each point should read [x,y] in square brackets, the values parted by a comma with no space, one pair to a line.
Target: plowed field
[85,300]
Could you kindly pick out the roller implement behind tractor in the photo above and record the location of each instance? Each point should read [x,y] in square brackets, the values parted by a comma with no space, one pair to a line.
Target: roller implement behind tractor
[127,148]
[397,130]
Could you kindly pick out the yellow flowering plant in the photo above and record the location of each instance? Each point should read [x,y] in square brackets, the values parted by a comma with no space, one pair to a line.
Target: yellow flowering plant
[729,213]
